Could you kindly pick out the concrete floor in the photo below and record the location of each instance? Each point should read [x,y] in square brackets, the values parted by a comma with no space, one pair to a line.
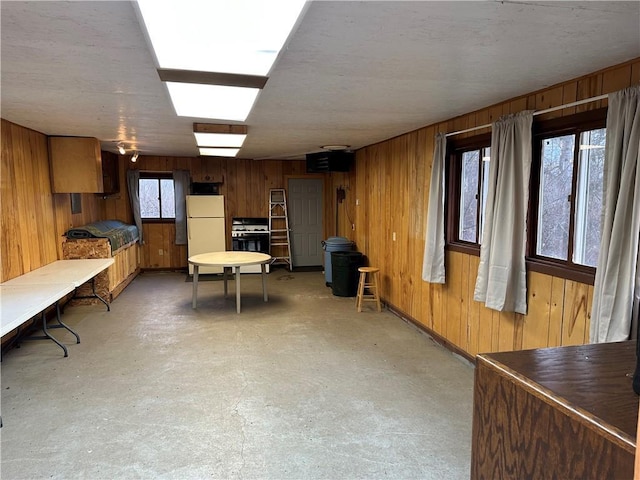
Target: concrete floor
[302,387]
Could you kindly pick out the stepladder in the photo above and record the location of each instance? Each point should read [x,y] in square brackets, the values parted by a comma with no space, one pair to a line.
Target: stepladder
[279,233]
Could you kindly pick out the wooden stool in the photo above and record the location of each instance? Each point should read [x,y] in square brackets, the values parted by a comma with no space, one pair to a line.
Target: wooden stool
[374,295]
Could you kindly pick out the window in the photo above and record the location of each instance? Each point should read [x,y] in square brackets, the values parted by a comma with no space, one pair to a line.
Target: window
[157,198]
[566,196]
[469,179]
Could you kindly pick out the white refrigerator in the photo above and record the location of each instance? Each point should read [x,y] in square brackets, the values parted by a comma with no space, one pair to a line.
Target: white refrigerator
[205,227]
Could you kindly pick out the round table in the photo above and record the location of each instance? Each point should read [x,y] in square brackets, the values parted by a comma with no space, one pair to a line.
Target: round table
[232,259]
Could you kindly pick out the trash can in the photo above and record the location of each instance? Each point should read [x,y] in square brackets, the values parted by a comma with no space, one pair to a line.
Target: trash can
[330,245]
[345,273]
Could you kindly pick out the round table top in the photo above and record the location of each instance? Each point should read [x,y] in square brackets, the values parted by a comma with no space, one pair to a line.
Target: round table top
[229,259]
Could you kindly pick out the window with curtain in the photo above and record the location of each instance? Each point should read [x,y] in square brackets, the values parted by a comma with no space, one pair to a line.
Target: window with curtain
[468,180]
[565,206]
[157,197]
[566,196]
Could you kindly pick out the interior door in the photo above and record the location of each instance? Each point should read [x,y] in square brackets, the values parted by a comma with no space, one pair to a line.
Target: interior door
[305,221]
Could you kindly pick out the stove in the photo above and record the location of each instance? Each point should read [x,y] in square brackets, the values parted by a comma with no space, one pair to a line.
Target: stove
[246,226]
[250,234]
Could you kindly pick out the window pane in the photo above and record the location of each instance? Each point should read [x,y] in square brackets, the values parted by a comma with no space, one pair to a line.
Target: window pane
[486,159]
[469,196]
[168,199]
[554,207]
[149,198]
[589,197]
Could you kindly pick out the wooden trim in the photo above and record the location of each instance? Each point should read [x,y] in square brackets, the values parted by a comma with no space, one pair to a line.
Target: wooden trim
[212,78]
[440,340]
[217,128]
[585,275]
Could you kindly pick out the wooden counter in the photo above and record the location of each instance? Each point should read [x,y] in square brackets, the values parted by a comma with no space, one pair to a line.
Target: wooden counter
[567,412]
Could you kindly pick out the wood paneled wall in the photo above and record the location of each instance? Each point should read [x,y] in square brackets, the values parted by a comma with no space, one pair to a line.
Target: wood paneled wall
[245,186]
[33,219]
[388,195]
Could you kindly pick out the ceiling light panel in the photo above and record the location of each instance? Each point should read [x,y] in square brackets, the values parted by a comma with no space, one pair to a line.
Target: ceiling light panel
[212,101]
[219,152]
[239,36]
[219,139]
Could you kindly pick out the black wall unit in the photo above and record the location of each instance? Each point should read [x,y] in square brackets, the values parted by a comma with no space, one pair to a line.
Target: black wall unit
[333,161]
[205,188]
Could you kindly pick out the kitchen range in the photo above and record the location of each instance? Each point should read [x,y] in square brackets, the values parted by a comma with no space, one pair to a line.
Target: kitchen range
[250,234]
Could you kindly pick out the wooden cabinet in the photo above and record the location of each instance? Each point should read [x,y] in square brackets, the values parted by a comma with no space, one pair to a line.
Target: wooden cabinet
[110,173]
[76,165]
[567,412]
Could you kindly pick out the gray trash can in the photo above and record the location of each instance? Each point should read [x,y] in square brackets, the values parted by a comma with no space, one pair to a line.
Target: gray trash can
[330,245]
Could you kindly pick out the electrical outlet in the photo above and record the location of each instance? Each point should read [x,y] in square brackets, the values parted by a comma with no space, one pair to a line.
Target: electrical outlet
[394,236]
[357,201]
[160,252]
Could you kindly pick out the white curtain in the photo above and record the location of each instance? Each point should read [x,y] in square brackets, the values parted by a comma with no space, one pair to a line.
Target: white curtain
[611,311]
[133,181]
[181,182]
[433,261]
[502,280]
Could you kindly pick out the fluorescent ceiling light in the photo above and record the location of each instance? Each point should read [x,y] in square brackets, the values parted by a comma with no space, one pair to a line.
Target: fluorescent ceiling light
[219,152]
[239,36]
[219,139]
[212,101]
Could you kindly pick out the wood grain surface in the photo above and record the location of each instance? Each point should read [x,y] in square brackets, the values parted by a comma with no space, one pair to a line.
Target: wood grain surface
[563,413]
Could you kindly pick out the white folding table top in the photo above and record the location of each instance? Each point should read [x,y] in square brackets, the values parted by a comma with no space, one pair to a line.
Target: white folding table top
[75,272]
[19,303]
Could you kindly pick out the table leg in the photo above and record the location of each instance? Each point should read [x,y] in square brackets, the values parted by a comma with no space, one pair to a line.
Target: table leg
[50,337]
[264,282]
[224,278]
[237,289]
[194,300]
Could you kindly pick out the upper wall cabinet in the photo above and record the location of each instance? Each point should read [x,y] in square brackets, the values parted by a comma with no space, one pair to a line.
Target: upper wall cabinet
[110,173]
[76,165]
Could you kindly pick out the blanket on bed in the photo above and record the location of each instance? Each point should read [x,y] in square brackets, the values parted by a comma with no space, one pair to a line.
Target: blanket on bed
[117,232]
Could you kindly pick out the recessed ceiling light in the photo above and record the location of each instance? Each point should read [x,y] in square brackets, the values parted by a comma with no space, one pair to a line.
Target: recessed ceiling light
[219,139]
[219,152]
[212,101]
[239,36]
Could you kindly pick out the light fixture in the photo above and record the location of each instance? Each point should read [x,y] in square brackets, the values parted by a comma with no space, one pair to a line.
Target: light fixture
[134,157]
[212,101]
[216,135]
[335,147]
[200,33]
[121,148]
[218,152]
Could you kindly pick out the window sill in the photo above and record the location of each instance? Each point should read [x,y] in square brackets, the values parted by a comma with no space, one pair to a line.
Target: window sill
[159,220]
[586,276]
[469,249]
[561,271]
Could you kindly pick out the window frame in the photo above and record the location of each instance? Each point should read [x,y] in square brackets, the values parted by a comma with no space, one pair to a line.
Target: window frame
[158,176]
[568,125]
[542,128]
[453,175]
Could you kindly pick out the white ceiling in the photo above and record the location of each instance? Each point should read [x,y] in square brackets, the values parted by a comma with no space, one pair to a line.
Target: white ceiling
[353,72]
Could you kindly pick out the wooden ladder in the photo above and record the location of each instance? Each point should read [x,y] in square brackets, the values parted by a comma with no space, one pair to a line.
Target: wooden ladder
[279,234]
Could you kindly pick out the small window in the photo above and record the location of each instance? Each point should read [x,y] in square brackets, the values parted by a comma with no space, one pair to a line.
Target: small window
[469,179]
[567,190]
[157,197]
